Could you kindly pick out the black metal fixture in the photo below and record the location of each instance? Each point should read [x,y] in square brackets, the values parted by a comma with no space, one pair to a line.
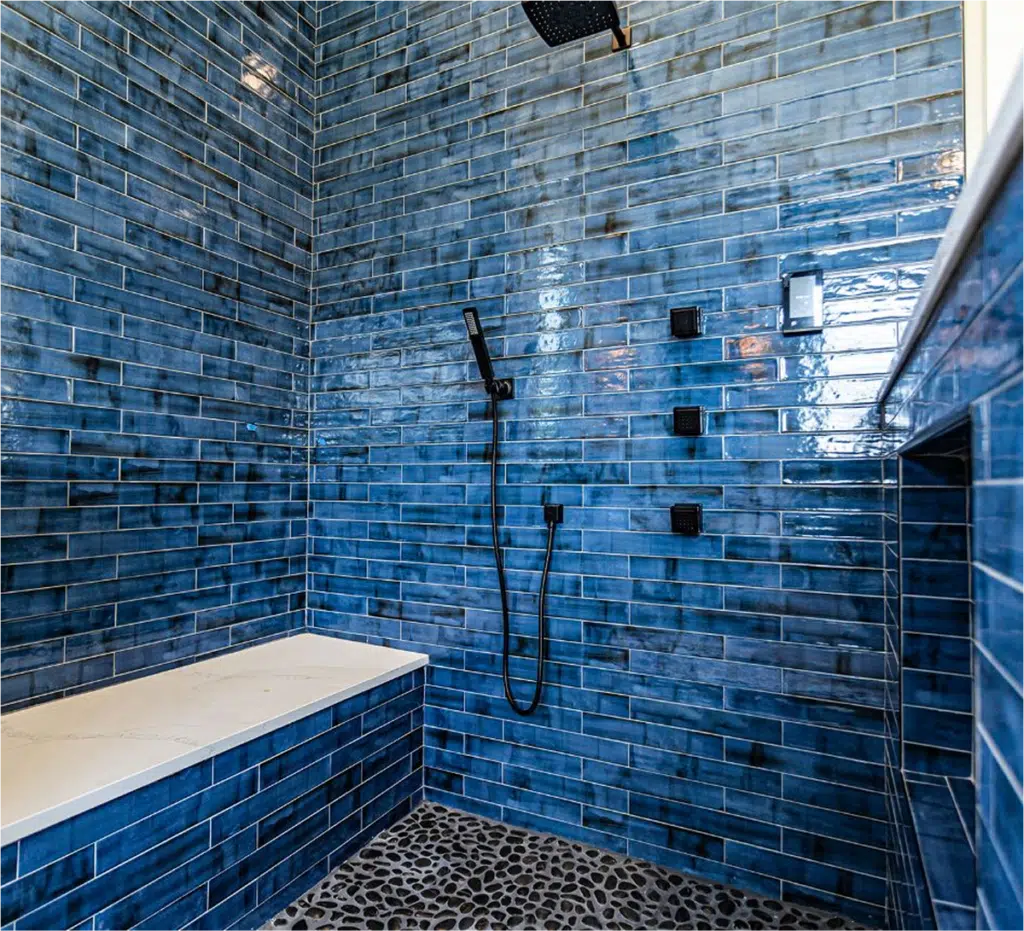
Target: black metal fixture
[686,519]
[687,421]
[502,389]
[498,388]
[687,322]
[553,514]
[558,23]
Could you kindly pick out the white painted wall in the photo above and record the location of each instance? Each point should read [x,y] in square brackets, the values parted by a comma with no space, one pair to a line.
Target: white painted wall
[993,46]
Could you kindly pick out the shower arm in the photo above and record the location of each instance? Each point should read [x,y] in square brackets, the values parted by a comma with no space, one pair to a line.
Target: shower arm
[622,37]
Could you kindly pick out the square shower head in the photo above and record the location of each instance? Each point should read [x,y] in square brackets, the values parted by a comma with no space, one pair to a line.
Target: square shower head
[558,23]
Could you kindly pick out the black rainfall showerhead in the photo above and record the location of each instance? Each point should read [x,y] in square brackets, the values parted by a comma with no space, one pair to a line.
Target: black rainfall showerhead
[558,23]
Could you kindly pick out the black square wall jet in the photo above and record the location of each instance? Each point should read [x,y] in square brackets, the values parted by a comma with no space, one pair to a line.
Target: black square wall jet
[686,519]
[687,421]
[686,322]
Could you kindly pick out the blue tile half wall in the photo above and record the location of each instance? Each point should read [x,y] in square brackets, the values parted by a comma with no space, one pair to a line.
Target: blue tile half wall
[967,367]
[714,704]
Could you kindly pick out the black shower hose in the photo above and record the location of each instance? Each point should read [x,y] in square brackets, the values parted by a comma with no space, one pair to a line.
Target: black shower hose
[500,565]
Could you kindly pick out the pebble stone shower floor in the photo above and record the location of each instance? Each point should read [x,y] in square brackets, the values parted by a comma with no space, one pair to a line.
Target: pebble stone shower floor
[441,868]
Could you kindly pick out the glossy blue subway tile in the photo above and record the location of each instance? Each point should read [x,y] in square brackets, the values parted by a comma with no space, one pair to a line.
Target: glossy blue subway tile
[155,847]
[956,658]
[50,882]
[43,847]
[944,844]
[8,863]
[131,74]
[203,360]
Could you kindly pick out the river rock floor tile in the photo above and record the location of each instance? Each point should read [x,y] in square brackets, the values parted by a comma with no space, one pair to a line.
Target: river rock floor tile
[445,869]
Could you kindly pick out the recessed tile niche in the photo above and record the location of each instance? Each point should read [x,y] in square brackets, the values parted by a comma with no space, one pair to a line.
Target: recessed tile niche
[936,686]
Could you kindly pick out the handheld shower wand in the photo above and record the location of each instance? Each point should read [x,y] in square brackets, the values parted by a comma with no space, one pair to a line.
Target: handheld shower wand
[497,388]
[500,389]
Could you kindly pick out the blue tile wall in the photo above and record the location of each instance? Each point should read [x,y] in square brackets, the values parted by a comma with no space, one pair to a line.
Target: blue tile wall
[942,815]
[998,514]
[229,842]
[969,365]
[936,620]
[932,854]
[714,704]
[908,903]
[221,216]
[157,204]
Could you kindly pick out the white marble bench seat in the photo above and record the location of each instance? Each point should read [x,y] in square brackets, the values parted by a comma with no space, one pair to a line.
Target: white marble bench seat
[64,757]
